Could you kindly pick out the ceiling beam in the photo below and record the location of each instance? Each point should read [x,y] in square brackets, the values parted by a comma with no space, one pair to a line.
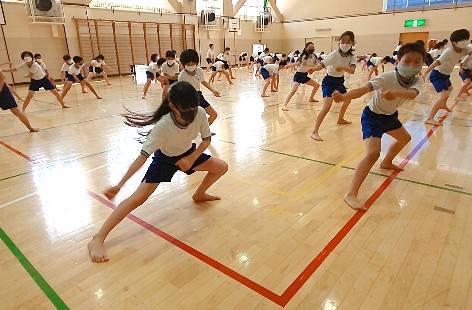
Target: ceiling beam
[238,6]
[176,5]
[276,10]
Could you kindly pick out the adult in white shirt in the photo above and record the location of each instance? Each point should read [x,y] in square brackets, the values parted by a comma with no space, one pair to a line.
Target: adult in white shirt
[96,68]
[38,79]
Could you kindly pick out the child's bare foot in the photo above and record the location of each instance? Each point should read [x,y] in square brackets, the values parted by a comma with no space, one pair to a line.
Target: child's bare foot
[84,92]
[460,98]
[316,137]
[390,166]
[98,97]
[97,251]
[65,106]
[343,122]
[264,95]
[467,93]
[108,84]
[353,202]
[230,82]
[433,122]
[284,108]
[143,97]
[313,100]
[33,129]
[205,197]
[273,90]
[233,78]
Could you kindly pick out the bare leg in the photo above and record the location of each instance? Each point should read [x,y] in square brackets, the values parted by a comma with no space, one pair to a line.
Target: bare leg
[266,84]
[95,246]
[315,86]
[27,100]
[105,76]
[58,97]
[146,88]
[342,112]
[215,168]
[65,89]
[464,88]
[438,105]
[227,76]
[13,91]
[90,76]
[327,103]
[290,95]
[22,117]
[402,137]
[89,86]
[362,170]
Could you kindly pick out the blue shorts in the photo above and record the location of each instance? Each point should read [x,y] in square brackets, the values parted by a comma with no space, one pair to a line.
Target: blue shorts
[251,59]
[150,75]
[209,61]
[6,99]
[301,77]
[242,58]
[392,61]
[265,74]
[466,74]
[441,82]
[213,68]
[292,60]
[172,81]
[35,85]
[163,167]
[331,83]
[98,70]
[369,63]
[70,78]
[260,61]
[202,101]
[375,125]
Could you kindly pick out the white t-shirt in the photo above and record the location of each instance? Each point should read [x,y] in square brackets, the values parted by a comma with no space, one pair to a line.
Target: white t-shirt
[397,48]
[43,66]
[171,138]
[263,55]
[226,57]
[335,59]
[449,58]
[467,61]
[290,55]
[210,54]
[272,68]
[65,66]
[242,54]
[97,64]
[389,81]
[195,80]
[152,67]
[38,73]
[376,60]
[268,59]
[219,66]
[306,63]
[220,56]
[170,70]
[74,70]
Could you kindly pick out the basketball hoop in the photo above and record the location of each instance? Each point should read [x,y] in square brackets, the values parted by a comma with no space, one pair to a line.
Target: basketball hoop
[233,25]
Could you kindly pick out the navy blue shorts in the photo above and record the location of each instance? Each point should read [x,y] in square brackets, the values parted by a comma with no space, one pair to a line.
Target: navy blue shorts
[213,68]
[369,63]
[6,99]
[163,167]
[395,53]
[331,83]
[172,81]
[209,61]
[392,61]
[202,101]
[251,59]
[242,58]
[375,125]
[293,60]
[265,74]
[150,75]
[440,81]
[260,61]
[428,62]
[35,85]
[466,74]
[98,70]
[301,77]
[71,78]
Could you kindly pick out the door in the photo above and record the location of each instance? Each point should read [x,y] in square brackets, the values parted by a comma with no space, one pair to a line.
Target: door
[410,37]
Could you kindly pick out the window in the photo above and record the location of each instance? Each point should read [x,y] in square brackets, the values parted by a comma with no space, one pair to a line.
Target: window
[215,5]
[396,5]
[251,8]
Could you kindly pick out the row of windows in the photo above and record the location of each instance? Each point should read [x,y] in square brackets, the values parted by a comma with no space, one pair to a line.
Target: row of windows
[395,5]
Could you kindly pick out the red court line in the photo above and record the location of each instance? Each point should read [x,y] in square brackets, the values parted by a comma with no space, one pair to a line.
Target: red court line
[297,284]
[17,152]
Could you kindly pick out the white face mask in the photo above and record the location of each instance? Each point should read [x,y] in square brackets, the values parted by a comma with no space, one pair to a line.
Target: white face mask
[191,68]
[170,62]
[39,60]
[408,71]
[70,62]
[27,59]
[345,47]
[462,44]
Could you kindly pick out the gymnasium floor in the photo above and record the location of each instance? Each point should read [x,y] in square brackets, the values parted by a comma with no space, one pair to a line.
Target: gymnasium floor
[280,237]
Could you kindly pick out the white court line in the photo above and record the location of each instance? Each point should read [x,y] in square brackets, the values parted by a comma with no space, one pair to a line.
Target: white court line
[35,193]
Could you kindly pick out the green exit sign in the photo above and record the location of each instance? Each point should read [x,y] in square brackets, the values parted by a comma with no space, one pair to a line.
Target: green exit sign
[415,23]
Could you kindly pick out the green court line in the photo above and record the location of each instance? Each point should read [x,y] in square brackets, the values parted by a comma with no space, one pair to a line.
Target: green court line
[351,168]
[43,285]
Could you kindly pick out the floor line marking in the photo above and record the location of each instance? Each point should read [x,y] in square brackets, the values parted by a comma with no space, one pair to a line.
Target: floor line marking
[34,274]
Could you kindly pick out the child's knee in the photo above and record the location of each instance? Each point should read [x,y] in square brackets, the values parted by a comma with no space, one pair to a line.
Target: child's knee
[372,156]
[221,166]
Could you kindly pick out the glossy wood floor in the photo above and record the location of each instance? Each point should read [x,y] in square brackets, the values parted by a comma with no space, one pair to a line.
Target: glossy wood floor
[282,209]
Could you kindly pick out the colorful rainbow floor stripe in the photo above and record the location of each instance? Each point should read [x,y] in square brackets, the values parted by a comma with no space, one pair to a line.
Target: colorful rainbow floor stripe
[296,285]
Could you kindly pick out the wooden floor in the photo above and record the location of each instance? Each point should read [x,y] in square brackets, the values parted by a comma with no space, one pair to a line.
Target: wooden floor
[280,237]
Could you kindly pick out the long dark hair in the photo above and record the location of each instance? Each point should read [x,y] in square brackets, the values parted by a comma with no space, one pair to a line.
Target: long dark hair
[182,95]
[305,52]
